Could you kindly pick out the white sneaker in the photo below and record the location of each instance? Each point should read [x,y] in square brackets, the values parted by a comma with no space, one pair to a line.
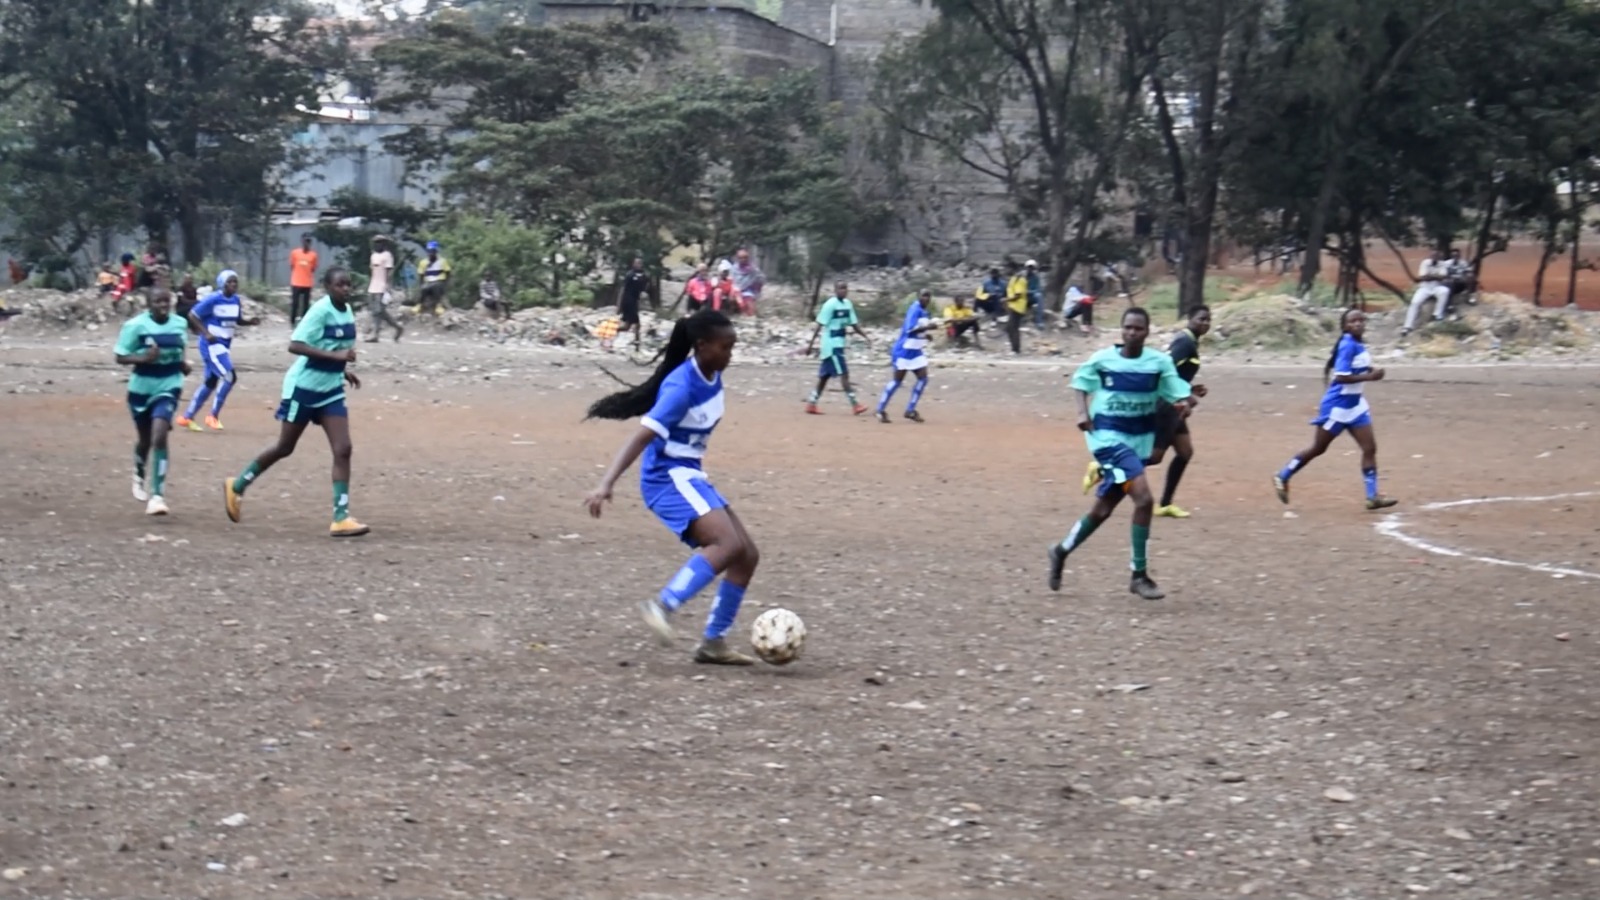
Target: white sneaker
[156,506]
[655,616]
[139,493]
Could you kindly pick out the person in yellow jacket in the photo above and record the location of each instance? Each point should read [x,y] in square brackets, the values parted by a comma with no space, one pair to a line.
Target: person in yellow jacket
[1021,293]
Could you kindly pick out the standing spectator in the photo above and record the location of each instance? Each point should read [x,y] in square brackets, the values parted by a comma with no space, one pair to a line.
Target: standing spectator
[990,296]
[18,272]
[302,278]
[748,280]
[152,260]
[699,288]
[635,284]
[381,266]
[435,280]
[1459,279]
[1016,306]
[1431,274]
[1034,287]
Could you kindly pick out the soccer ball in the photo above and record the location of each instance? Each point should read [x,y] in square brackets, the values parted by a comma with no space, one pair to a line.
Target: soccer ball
[777,636]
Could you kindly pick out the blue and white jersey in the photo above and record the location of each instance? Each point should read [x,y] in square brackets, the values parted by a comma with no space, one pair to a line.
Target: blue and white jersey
[911,344]
[688,408]
[219,316]
[1346,402]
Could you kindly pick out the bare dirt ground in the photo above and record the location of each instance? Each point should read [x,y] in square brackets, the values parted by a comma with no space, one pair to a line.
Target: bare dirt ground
[463,704]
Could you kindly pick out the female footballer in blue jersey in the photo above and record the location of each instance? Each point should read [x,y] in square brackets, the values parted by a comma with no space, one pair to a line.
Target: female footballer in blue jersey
[910,354]
[215,319]
[1344,408]
[1117,392]
[681,405]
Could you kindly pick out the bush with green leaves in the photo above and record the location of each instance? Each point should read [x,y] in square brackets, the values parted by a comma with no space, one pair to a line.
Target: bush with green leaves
[527,262]
[205,281]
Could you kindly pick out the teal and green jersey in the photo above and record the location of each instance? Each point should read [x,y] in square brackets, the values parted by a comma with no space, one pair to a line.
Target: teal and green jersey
[315,382]
[164,376]
[836,317]
[1123,396]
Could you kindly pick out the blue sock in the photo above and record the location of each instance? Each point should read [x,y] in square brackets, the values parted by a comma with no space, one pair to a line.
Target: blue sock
[725,610]
[916,394]
[1370,476]
[690,580]
[1289,469]
[888,391]
[222,396]
[197,400]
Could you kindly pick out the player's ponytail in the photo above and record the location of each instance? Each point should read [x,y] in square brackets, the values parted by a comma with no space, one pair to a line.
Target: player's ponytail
[1327,368]
[637,400]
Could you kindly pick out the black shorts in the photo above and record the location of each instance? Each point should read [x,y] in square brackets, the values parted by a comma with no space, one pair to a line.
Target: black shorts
[629,312]
[1169,424]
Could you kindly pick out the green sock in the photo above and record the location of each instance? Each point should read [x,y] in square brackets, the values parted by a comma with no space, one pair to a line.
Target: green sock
[851,396]
[159,477]
[138,464]
[815,396]
[1080,532]
[341,500]
[1141,537]
[247,477]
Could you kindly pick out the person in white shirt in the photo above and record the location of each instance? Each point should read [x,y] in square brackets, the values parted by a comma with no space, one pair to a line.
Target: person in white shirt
[382,267]
[1433,277]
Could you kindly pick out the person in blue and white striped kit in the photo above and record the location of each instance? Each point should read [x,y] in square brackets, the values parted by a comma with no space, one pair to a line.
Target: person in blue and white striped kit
[681,405]
[215,318]
[910,354]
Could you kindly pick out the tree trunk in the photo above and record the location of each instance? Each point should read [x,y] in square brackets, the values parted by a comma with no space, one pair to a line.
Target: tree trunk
[1200,212]
[1317,227]
[1485,231]
[1577,237]
[194,251]
[1544,262]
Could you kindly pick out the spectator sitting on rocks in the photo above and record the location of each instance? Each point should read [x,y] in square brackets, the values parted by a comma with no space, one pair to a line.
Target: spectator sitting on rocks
[959,320]
[106,281]
[990,298]
[1460,280]
[489,296]
[749,281]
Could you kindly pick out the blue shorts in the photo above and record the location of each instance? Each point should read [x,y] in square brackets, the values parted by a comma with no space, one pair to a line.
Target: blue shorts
[1119,465]
[834,364]
[145,408]
[678,496]
[296,413]
[1337,419]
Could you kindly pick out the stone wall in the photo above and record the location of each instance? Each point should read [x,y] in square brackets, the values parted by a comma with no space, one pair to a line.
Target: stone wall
[948,213]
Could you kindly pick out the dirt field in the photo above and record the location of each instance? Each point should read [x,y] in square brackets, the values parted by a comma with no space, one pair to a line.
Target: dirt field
[1510,272]
[463,704]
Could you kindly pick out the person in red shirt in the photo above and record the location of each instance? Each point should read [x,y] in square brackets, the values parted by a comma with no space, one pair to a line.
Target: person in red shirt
[302,278]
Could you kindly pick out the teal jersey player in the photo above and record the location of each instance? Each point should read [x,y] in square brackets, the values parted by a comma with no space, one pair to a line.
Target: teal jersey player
[313,394]
[154,344]
[835,320]
[316,382]
[1117,393]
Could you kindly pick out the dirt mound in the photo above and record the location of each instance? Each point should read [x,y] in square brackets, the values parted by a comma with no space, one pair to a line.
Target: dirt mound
[1502,325]
[44,311]
[1277,322]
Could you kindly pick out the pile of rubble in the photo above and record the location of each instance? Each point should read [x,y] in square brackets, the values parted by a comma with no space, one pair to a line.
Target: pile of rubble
[38,311]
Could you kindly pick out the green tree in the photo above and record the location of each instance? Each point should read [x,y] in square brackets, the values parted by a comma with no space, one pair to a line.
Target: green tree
[1043,98]
[147,122]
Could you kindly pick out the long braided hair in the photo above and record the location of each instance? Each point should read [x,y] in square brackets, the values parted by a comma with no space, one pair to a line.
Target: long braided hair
[637,400]
[1327,368]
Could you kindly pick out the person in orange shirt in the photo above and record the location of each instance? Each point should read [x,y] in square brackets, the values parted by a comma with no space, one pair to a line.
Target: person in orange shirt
[302,278]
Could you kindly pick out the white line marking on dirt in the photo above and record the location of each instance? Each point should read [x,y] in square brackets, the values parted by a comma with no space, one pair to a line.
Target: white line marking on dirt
[1391,527]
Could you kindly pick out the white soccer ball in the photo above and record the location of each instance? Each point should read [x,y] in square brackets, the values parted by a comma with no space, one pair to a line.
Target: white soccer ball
[778,636]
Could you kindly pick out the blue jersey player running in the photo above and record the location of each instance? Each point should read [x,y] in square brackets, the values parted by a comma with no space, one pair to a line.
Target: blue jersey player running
[215,319]
[1344,408]
[1117,392]
[681,405]
[313,394]
[153,343]
[910,354]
